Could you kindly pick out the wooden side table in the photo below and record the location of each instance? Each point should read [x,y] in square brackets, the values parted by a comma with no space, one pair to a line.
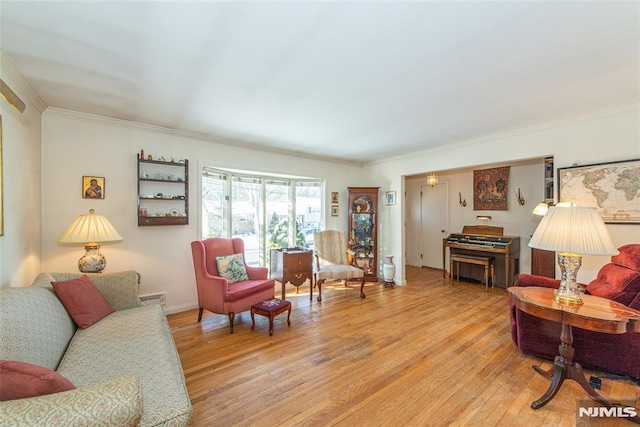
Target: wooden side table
[595,314]
[293,266]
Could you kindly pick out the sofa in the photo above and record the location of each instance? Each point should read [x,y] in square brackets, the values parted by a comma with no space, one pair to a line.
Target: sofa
[618,280]
[124,369]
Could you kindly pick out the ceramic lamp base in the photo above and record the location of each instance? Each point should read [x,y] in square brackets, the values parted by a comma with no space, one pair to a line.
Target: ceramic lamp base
[92,261]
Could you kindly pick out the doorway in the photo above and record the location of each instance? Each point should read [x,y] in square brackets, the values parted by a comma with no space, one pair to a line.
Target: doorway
[433,223]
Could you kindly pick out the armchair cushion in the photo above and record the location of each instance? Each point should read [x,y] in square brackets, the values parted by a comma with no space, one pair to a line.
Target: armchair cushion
[628,257]
[329,272]
[620,279]
[611,284]
[533,280]
[231,267]
[246,288]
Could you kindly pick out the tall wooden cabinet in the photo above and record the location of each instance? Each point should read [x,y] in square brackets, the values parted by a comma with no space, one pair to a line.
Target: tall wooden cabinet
[363,229]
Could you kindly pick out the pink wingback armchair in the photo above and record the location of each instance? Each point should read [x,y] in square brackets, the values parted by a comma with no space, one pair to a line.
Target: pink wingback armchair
[619,281]
[215,293]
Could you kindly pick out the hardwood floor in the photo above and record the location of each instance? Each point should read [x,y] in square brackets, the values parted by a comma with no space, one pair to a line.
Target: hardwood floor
[425,354]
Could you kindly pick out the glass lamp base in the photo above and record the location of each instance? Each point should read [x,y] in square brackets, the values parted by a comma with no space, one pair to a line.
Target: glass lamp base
[568,296]
[569,291]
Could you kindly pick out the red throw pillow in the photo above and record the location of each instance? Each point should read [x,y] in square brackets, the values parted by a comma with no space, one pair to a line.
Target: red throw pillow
[83,301]
[21,380]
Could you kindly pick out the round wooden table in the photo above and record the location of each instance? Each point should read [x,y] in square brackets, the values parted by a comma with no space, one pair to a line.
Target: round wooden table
[595,314]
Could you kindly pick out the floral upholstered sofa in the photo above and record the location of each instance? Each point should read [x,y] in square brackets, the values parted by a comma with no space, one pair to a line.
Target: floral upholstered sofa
[123,369]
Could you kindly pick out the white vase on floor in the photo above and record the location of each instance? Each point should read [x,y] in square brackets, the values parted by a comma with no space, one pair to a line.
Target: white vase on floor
[388,272]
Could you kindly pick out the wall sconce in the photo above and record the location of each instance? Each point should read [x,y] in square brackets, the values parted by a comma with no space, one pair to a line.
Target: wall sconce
[520,198]
[463,202]
[432,179]
[541,208]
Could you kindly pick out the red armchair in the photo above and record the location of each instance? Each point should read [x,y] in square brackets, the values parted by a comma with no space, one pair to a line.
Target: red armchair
[215,293]
[619,281]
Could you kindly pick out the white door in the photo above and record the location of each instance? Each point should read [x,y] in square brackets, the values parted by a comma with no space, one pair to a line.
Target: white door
[434,226]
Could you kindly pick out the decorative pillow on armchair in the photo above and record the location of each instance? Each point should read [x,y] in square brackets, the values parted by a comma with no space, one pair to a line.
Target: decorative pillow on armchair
[232,268]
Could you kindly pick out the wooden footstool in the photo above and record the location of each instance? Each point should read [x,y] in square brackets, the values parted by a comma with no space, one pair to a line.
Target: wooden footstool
[271,308]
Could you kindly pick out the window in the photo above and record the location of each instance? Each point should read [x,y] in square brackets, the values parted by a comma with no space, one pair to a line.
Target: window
[265,211]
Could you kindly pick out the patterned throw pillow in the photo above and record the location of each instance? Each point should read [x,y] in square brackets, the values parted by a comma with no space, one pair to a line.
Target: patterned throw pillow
[232,268]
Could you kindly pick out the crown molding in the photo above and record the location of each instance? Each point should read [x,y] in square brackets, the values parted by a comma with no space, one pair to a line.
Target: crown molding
[13,74]
[193,135]
[455,145]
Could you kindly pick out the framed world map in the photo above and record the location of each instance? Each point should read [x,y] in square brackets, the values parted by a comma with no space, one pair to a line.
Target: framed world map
[612,188]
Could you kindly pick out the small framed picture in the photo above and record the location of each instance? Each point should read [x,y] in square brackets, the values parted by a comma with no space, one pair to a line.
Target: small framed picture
[92,187]
[334,210]
[391,197]
[334,197]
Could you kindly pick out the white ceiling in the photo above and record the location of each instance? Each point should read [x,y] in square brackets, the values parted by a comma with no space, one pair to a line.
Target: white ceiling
[355,80]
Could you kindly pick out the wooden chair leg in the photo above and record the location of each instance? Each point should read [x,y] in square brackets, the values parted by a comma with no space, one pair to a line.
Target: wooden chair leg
[319,283]
[231,317]
[200,315]
[493,275]
[362,295]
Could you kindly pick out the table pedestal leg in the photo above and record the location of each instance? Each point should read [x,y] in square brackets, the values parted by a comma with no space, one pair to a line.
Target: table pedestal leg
[564,368]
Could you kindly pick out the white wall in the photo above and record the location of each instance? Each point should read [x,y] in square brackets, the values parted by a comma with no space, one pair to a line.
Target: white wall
[20,249]
[76,144]
[595,139]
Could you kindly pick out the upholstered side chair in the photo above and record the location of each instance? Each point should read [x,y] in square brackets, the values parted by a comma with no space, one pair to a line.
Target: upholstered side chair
[332,260]
[219,294]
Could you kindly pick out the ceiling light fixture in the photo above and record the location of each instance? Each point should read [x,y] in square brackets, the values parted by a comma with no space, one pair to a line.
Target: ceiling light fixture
[432,179]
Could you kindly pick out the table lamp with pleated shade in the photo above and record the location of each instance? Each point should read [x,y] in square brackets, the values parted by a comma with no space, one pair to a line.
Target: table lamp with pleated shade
[91,230]
[572,232]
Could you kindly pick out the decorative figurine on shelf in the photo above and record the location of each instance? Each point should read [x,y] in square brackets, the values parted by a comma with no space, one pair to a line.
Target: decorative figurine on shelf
[141,154]
[161,158]
[149,157]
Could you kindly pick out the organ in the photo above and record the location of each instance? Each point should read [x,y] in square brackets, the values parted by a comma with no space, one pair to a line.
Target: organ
[487,241]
